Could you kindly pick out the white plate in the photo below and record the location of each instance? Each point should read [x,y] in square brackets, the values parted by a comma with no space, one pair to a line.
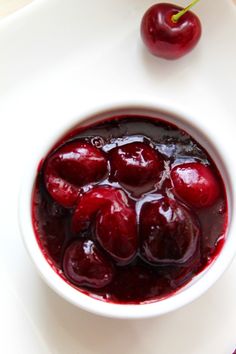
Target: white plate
[9,6]
[56,57]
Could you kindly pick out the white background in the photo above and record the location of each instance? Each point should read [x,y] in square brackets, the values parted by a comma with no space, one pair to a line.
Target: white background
[57,57]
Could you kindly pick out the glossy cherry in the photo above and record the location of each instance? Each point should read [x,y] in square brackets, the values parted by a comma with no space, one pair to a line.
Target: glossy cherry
[72,166]
[85,265]
[135,164]
[169,233]
[167,38]
[195,184]
[116,231]
[114,218]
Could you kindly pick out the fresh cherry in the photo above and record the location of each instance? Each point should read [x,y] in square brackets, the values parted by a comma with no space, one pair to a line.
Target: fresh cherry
[195,184]
[135,164]
[114,218]
[170,234]
[85,265]
[72,166]
[170,31]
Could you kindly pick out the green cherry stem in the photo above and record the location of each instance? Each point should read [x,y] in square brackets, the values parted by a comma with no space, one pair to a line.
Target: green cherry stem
[175,18]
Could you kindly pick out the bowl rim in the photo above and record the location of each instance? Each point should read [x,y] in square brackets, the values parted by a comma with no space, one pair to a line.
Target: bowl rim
[200,284]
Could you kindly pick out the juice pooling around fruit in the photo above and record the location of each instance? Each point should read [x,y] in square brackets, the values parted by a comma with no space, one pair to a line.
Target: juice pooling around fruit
[129,210]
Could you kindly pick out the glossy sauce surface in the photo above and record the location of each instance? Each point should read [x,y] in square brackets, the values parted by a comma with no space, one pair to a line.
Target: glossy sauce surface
[144,271]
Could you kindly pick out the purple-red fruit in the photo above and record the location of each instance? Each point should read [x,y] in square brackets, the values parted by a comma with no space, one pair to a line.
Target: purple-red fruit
[72,166]
[135,164]
[195,184]
[116,231]
[169,233]
[115,220]
[167,38]
[85,265]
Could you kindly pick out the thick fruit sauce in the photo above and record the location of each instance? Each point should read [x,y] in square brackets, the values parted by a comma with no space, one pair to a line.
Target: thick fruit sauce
[129,210]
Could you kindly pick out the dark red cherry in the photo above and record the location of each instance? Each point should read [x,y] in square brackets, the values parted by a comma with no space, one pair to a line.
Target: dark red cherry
[90,203]
[135,164]
[195,184]
[85,265]
[169,233]
[72,166]
[167,38]
[109,209]
[116,231]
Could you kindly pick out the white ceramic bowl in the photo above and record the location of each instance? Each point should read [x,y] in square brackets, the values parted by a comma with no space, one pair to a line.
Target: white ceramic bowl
[185,295]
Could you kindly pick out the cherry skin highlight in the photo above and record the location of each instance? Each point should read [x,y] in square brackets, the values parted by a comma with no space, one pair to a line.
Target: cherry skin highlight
[135,164]
[85,265]
[72,166]
[195,184]
[93,201]
[166,38]
[108,209]
[170,235]
[116,231]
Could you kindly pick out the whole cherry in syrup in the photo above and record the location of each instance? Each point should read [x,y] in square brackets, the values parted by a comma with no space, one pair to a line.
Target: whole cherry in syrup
[195,184]
[169,233]
[114,219]
[135,165]
[70,167]
[84,264]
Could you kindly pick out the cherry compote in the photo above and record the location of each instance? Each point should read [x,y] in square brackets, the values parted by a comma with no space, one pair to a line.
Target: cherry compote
[129,209]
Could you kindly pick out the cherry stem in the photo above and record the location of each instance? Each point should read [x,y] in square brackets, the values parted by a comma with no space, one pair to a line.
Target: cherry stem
[176,17]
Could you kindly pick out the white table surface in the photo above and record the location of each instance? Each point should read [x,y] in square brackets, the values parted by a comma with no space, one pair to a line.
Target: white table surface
[57,57]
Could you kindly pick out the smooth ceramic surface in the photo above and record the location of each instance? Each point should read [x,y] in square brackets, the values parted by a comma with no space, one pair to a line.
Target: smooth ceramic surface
[58,56]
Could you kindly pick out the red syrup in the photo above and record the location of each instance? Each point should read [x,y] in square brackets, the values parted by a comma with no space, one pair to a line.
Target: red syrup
[116,213]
